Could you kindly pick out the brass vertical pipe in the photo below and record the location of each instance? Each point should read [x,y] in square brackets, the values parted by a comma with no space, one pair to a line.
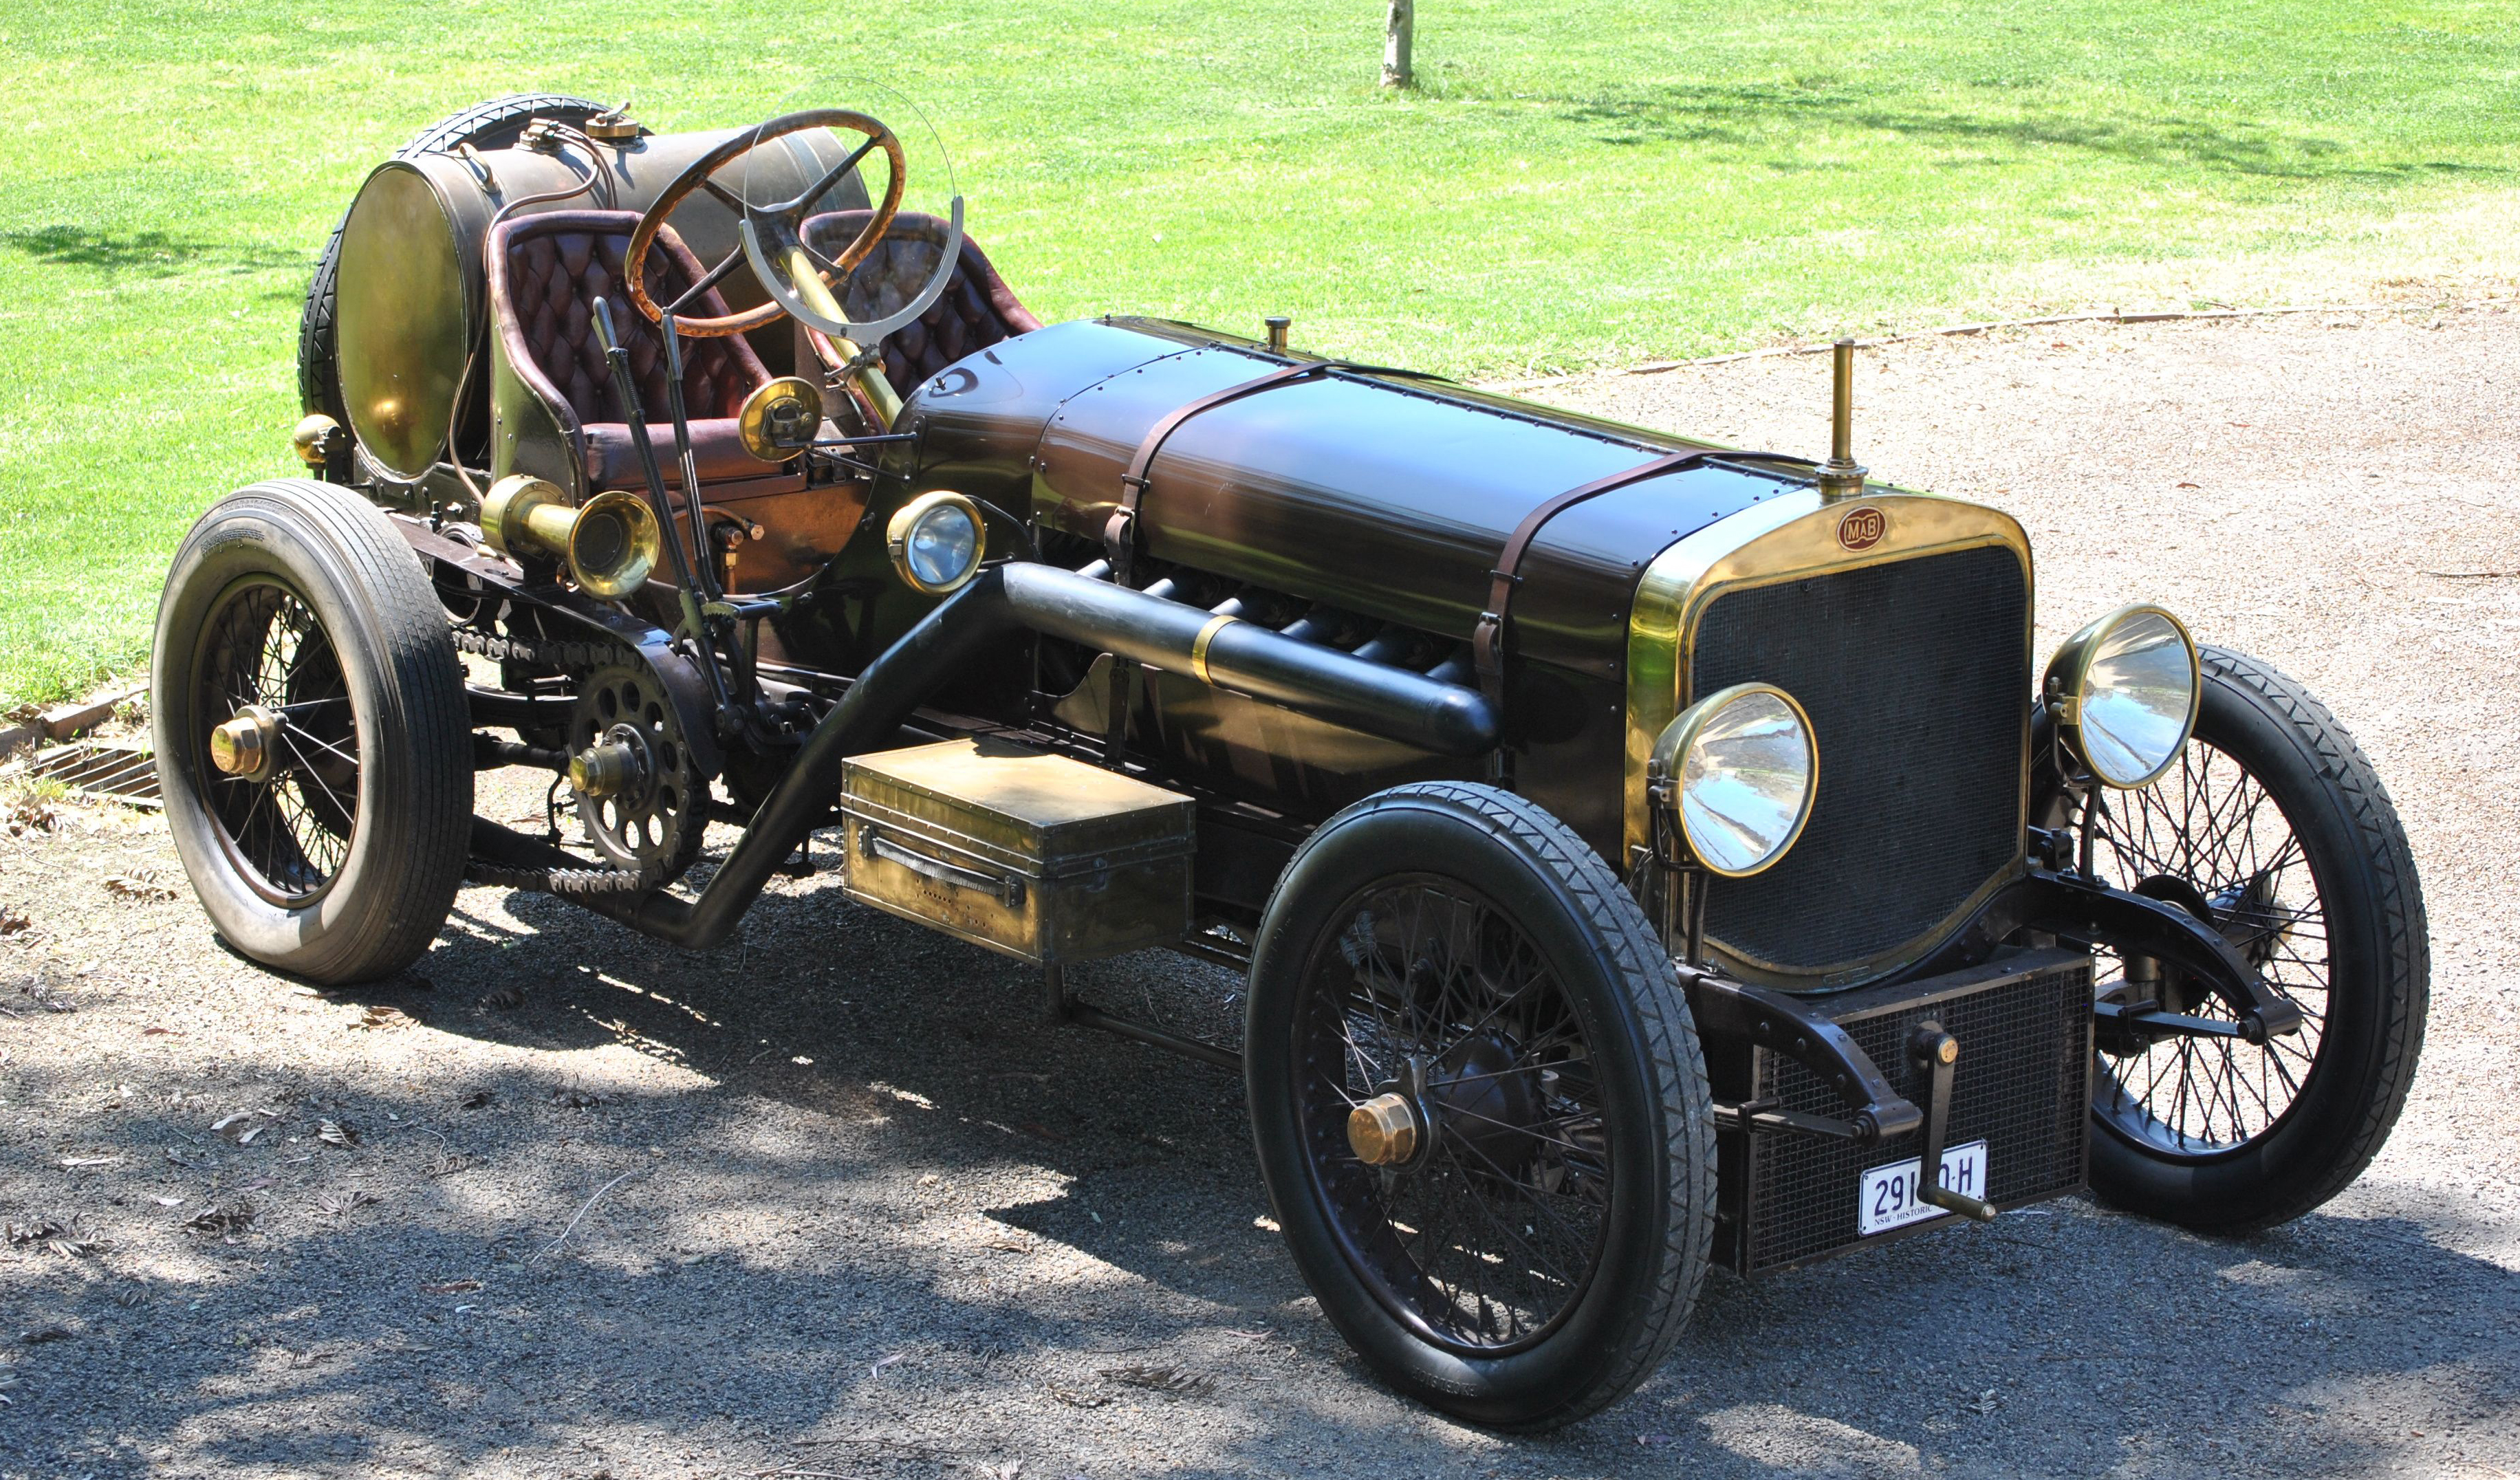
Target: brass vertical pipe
[1841,405]
[1840,477]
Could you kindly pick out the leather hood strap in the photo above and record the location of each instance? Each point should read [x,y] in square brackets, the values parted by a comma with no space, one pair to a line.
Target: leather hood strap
[1120,533]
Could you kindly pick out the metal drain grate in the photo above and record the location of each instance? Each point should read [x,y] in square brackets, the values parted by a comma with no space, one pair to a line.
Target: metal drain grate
[126,773]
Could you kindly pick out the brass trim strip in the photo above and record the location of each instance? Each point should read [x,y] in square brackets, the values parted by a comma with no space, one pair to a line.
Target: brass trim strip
[1789,537]
[1198,646]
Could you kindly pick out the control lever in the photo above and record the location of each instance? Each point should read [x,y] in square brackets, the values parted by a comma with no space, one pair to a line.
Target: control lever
[1936,1052]
[625,387]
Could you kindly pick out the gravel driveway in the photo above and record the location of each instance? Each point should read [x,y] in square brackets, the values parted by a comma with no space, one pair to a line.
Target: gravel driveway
[828,1204]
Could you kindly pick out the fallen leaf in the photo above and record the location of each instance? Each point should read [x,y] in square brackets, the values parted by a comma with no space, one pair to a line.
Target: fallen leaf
[136,886]
[878,1368]
[379,1015]
[70,1238]
[1074,1399]
[69,1162]
[337,1202]
[448,1162]
[474,1100]
[572,1098]
[508,997]
[337,1134]
[154,1032]
[44,1333]
[177,1202]
[11,921]
[232,1216]
[451,1288]
[2192,485]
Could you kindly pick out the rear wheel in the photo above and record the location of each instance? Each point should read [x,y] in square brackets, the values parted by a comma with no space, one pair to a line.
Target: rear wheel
[1480,1105]
[313,738]
[2271,826]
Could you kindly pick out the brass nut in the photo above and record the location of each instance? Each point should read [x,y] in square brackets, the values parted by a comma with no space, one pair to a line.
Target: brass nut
[1384,1131]
[605,770]
[245,744]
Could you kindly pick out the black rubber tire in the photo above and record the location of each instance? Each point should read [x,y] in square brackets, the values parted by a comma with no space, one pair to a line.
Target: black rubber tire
[494,124]
[1655,1246]
[405,860]
[2379,972]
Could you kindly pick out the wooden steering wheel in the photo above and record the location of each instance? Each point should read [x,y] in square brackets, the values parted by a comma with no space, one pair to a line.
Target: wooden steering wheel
[779,228]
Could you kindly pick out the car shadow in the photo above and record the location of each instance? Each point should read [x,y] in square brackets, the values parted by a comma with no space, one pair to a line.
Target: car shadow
[865,1198]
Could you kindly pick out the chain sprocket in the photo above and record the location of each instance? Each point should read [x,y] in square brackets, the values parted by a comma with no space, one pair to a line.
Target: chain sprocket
[651,820]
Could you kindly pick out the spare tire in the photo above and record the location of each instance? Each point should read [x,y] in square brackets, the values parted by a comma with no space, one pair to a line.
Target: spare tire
[494,124]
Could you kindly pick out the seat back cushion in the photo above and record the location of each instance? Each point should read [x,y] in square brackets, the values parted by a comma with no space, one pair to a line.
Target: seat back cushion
[545,273]
[976,309]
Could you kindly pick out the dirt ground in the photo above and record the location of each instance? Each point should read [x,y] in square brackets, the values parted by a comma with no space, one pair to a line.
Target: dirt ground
[827,1203]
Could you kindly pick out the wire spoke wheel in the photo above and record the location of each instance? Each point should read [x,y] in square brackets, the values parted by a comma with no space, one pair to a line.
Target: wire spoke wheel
[2210,837]
[1488,1235]
[288,828]
[1479,1104]
[2271,829]
[313,738]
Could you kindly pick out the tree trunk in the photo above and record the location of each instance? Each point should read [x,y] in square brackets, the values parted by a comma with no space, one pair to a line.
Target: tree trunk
[1399,30]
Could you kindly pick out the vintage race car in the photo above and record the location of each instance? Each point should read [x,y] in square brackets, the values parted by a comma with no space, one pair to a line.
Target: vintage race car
[1643,854]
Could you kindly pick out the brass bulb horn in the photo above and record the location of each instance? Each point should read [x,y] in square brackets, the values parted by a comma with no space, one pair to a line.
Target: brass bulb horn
[609,543]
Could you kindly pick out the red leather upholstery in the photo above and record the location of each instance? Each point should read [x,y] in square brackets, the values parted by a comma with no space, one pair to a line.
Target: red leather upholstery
[976,309]
[612,462]
[545,273]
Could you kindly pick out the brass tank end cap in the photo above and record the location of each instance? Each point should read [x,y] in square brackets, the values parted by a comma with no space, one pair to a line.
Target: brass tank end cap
[1384,1131]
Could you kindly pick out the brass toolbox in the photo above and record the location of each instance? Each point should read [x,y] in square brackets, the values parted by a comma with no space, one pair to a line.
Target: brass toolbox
[1043,858]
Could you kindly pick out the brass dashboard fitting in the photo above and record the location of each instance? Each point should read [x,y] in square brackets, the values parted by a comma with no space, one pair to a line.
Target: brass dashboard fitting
[247,744]
[781,419]
[1384,1131]
[1277,324]
[1840,477]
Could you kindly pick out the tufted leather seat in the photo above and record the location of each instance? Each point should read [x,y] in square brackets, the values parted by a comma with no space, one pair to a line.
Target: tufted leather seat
[976,309]
[545,273]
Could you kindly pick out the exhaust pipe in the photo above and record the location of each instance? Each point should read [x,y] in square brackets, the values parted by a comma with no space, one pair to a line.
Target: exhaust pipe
[1394,703]
[610,545]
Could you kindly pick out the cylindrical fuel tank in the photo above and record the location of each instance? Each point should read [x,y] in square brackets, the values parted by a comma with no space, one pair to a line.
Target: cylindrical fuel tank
[411,293]
[1384,495]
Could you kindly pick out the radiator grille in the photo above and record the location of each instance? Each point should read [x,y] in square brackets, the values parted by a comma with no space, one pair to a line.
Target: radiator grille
[2020,1086]
[1917,675]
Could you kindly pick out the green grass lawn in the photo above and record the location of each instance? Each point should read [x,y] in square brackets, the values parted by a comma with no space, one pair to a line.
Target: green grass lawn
[1574,184]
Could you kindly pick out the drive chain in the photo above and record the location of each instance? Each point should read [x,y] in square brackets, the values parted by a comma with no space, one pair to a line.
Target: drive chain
[569,655]
[576,660]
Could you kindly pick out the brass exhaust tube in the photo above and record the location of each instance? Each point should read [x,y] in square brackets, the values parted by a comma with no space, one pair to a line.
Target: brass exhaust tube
[610,545]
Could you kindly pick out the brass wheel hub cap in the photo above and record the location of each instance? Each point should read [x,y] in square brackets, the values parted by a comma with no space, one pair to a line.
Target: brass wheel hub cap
[1384,1130]
[246,744]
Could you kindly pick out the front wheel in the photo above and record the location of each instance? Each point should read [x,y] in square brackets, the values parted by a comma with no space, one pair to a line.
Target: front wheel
[313,738]
[1480,1105]
[2272,828]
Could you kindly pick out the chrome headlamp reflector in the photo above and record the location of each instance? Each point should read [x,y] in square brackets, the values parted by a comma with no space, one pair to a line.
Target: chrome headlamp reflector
[936,541]
[2126,689]
[1740,769]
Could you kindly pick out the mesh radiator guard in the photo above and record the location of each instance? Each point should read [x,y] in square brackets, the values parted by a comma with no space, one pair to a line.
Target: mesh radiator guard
[2024,1024]
[1917,676]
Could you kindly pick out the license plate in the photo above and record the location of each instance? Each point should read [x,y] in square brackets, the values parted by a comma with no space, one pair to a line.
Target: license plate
[1890,1198]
